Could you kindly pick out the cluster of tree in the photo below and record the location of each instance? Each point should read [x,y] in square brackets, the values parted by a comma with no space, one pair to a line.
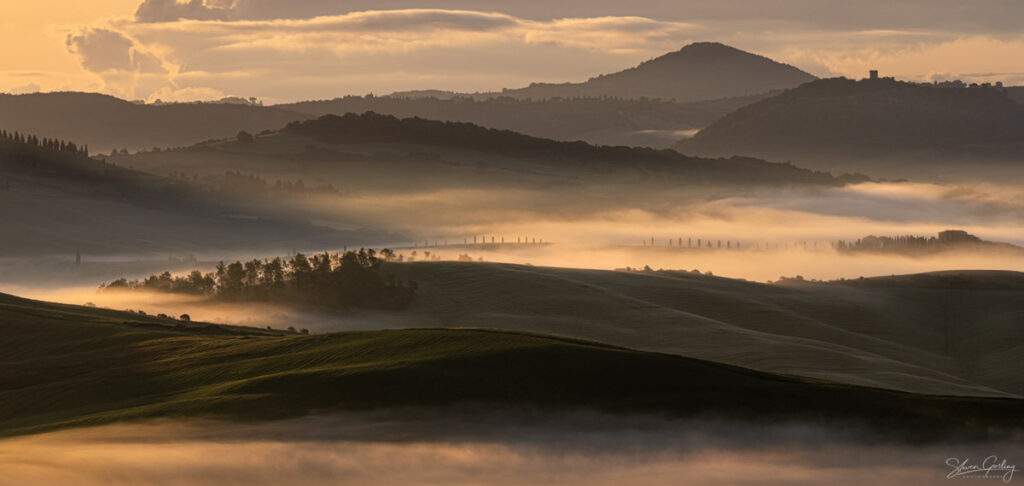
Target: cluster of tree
[238,182]
[195,283]
[427,257]
[648,269]
[799,279]
[352,279]
[945,240]
[46,143]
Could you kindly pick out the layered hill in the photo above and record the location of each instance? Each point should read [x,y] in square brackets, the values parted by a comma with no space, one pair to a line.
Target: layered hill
[372,168]
[372,128]
[879,125]
[612,113]
[105,123]
[67,366]
[697,72]
[601,121]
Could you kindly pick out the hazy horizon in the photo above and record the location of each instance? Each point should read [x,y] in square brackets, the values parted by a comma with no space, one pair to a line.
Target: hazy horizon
[204,50]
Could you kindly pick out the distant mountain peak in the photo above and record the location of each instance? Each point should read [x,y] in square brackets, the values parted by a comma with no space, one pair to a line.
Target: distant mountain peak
[698,71]
[694,56]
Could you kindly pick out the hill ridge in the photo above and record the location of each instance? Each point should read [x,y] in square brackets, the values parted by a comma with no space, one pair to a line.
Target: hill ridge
[371,127]
[846,124]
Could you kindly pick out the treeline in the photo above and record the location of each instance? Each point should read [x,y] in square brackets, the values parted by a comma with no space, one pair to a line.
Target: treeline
[352,279]
[46,143]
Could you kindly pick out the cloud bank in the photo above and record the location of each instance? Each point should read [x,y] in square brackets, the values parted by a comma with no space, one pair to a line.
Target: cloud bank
[322,451]
[356,52]
[287,51]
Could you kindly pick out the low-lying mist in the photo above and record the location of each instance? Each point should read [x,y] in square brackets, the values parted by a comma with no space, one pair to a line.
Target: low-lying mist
[759,235]
[254,314]
[598,450]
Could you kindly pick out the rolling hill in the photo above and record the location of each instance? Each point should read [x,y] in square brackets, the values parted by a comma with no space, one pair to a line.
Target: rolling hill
[371,128]
[104,122]
[885,127]
[920,336]
[720,77]
[376,166]
[390,174]
[67,366]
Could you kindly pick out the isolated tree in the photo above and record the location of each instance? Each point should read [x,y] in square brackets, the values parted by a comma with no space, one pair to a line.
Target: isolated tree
[245,137]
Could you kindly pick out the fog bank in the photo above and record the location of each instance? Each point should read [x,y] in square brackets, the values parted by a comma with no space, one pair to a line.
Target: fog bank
[587,450]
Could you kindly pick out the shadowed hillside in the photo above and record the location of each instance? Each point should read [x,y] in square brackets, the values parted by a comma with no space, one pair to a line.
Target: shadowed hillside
[105,123]
[371,128]
[867,125]
[924,338]
[58,202]
[73,366]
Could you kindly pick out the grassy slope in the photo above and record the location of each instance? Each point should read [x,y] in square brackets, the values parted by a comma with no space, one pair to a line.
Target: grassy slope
[72,366]
[914,338]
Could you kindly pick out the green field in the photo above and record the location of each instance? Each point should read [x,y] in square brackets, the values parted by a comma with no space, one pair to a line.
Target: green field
[918,336]
[67,366]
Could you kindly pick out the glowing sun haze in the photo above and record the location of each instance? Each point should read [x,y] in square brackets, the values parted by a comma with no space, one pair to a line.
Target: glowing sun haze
[283,51]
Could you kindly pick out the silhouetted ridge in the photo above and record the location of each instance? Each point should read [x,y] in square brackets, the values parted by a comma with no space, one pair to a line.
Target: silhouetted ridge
[597,120]
[372,128]
[837,118]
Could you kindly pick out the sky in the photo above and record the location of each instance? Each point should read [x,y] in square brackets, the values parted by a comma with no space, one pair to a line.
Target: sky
[287,50]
